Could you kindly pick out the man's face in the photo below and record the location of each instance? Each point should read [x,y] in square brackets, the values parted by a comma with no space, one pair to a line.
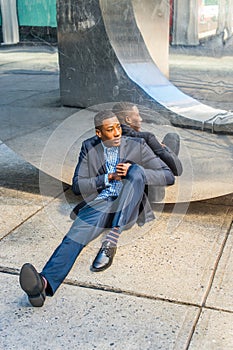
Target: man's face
[134,119]
[110,132]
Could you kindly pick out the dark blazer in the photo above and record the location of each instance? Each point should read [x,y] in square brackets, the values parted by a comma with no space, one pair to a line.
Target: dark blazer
[89,175]
[88,180]
[163,152]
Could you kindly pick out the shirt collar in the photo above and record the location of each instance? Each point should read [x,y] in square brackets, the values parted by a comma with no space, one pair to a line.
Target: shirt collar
[113,148]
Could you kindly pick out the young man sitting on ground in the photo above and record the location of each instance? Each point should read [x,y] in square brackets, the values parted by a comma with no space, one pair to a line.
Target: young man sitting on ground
[111,175]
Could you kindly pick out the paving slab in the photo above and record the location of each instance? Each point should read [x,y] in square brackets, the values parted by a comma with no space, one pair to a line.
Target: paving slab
[172,257]
[81,318]
[214,331]
[20,190]
[20,197]
[221,293]
[38,236]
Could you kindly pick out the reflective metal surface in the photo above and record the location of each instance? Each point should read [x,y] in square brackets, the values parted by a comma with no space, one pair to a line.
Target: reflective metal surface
[48,135]
[111,61]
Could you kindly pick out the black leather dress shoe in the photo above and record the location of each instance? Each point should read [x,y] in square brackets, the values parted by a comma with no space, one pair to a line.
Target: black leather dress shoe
[33,284]
[104,257]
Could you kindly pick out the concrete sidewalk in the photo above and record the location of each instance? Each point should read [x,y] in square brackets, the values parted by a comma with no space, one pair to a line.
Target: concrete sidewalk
[170,286]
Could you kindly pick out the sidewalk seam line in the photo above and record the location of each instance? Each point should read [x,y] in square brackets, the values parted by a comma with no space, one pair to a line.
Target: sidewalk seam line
[203,305]
[15,272]
[217,260]
[30,216]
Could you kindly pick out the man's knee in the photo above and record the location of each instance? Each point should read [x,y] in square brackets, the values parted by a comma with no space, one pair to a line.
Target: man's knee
[136,174]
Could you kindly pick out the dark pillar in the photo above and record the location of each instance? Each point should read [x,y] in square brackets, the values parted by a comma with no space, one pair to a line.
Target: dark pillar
[90,71]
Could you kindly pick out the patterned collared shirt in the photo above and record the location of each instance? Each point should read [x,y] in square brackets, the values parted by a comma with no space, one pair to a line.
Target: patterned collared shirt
[113,188]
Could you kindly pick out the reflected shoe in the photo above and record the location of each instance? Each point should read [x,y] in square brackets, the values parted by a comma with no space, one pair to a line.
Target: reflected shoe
[104,257]
[33,284]
[172,141]
[156,194]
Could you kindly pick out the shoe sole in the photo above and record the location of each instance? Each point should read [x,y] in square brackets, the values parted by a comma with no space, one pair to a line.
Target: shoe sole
[30,281]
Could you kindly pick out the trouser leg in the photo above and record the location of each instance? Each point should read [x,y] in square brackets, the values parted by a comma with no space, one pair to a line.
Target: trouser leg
[60,263]
[128,203]
[90,222]
[126,210]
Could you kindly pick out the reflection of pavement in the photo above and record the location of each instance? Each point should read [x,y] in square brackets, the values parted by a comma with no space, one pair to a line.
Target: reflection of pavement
[169,287]
[205,72]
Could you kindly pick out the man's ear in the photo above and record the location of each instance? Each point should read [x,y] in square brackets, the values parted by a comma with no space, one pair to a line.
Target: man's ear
[98,133]
[128,120]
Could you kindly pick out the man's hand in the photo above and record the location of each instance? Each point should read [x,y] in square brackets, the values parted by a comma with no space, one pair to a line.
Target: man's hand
[122,168]
[114,176]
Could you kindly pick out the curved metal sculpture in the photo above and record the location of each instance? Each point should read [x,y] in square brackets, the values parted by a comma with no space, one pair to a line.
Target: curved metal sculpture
[103,57]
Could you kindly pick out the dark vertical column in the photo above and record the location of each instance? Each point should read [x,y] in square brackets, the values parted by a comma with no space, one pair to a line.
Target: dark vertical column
[90,72]
[87,61]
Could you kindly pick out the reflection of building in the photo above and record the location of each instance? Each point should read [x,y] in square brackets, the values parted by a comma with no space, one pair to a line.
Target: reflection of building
[196,19]
[225,18]
[207,18]
[36,18]
[190,20]
[185,22]
[10,30]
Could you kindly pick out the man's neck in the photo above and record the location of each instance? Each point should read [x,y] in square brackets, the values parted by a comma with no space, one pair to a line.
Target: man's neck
[109,147]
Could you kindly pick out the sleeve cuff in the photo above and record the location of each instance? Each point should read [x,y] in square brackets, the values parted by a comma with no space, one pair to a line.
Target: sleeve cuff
[107,183]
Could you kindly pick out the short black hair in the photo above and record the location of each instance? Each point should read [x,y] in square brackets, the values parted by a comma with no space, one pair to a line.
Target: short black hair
[102,115]
[121,110]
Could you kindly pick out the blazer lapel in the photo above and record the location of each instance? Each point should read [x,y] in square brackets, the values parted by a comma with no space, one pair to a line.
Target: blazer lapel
[100,157]
[123,149]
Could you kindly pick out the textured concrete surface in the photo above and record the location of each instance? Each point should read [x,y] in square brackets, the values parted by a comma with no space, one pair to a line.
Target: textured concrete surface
[81,318]
[214,331]
[221,294]
[16,205]
[163,290]
[179,249]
